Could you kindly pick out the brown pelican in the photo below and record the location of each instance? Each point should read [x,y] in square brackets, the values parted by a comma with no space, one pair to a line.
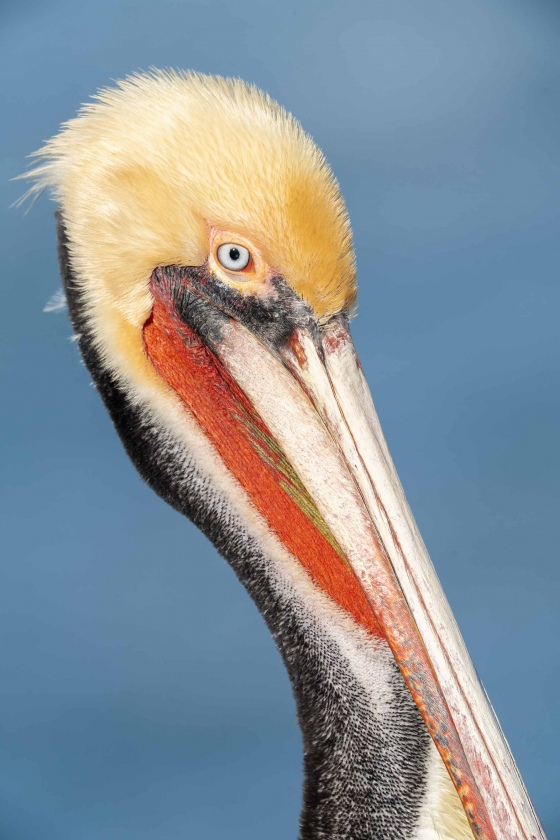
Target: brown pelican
[207,261]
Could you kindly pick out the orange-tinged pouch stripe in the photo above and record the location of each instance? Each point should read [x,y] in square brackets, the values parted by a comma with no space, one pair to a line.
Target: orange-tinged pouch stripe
[249,451]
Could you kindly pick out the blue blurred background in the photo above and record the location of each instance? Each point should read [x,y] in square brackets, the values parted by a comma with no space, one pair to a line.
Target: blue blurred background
[126,709]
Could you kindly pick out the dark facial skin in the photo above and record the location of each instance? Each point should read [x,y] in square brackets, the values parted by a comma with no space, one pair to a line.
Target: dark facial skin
[205,303]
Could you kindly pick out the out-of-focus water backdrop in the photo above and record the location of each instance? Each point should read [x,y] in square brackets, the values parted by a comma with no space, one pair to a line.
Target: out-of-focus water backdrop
[141,695]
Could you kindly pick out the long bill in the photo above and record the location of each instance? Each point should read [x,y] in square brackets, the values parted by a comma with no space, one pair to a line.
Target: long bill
[306,411]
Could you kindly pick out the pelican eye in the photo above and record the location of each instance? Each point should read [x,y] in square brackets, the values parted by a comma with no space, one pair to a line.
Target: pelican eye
[233,257]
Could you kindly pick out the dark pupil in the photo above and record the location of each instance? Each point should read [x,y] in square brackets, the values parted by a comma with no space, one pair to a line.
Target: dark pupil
[234,254]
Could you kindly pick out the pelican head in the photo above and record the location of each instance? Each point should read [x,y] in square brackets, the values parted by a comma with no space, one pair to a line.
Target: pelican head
[207,260]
